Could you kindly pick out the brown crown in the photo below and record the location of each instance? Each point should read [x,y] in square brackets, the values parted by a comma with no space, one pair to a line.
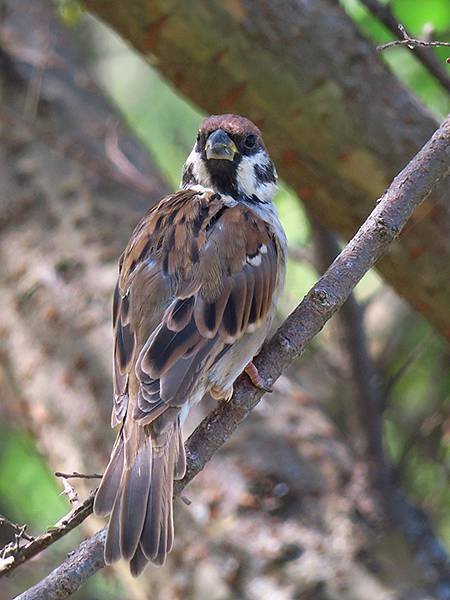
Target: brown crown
[233,124]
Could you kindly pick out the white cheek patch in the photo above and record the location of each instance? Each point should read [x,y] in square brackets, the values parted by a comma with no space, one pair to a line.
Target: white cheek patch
[249,184]
[199,170]
[267,191]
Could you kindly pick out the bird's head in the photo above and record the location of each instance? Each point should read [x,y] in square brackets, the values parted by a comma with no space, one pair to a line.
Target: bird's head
[229,157]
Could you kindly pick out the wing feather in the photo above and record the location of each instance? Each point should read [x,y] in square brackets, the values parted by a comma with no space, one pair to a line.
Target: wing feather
[197,275]
[221,295]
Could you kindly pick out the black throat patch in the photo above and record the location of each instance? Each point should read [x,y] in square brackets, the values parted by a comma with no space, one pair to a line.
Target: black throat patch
[223,174]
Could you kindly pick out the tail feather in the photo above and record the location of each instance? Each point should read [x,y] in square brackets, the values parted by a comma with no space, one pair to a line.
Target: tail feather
[109,486]
[112,543]
[169,529]
[138,562]
[166,521]
[155,524]
[180,460]
[135,491]
[139,496]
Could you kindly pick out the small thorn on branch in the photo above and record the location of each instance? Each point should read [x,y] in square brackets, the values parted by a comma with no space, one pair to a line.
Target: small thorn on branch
[69,490]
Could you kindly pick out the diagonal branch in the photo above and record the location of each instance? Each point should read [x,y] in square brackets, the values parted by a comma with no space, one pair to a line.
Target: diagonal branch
[13,555]
[383,225]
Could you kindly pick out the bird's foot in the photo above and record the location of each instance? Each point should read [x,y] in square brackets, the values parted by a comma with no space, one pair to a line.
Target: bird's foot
[219,393]
[258,381]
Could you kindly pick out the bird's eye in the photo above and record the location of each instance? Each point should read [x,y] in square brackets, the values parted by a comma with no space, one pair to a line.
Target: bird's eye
[250,141]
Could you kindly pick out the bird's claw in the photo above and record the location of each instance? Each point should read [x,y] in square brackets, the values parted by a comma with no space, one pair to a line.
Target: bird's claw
[258,381]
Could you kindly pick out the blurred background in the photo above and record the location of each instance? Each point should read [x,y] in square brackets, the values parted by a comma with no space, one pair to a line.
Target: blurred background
[292,507]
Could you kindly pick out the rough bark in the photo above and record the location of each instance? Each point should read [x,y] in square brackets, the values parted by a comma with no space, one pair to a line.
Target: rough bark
[337,122]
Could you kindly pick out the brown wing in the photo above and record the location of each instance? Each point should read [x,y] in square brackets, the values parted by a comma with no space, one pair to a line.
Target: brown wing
[196,276]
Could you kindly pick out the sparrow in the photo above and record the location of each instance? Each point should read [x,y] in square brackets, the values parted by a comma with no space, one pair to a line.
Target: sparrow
[196,293]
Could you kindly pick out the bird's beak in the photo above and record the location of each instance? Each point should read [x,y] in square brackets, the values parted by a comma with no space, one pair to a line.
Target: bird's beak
[220,146]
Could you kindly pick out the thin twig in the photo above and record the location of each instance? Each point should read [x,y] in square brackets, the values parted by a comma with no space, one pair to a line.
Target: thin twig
[76,475]
[301,254]
[122,163]
[419,49]
[18,530]
[34,88]
[412,356]
[411,187]
[13,556]
[412,43]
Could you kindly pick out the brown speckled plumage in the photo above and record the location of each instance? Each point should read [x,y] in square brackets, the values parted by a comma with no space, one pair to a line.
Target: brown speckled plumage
[195,295]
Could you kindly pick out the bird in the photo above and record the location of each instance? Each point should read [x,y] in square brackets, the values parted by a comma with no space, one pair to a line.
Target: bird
[196,294]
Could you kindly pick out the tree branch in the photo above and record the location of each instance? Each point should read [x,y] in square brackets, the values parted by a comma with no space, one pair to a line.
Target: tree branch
[417,47]
[383,225]
[18,530]
[412,43]
[66,579]
[14,555]
[76,475]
